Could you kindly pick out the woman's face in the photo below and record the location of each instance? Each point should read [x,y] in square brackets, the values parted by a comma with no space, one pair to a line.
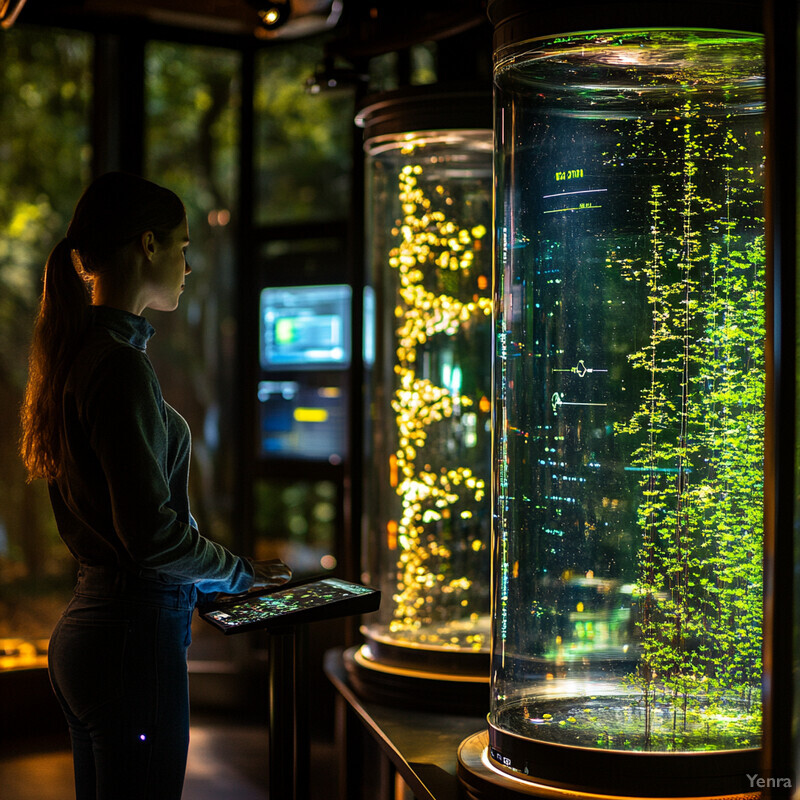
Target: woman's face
[167,270]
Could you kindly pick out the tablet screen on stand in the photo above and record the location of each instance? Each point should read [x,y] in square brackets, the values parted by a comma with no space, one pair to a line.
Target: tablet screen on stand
[291,604]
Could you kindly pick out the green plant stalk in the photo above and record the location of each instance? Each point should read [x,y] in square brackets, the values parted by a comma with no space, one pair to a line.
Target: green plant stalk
[699,587]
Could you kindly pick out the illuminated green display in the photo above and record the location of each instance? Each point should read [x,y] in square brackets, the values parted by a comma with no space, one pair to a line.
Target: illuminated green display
[569,174]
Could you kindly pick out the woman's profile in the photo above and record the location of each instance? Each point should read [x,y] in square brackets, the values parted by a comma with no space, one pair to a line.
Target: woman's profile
[116,458]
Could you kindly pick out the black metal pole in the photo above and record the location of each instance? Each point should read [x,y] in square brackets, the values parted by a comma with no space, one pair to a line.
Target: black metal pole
[246,314]
[350,547]
[289,742]
[118,109]
[302,744]
[282,718]
[781,20]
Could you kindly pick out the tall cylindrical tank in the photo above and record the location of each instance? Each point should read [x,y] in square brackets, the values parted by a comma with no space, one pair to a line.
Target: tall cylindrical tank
[629,408]
[428,462]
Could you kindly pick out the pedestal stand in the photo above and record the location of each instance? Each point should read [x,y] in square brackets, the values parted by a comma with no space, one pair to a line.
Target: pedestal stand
[289,748]
[284,613]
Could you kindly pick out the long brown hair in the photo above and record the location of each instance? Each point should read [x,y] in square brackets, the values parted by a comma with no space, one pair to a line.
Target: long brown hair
[112,213]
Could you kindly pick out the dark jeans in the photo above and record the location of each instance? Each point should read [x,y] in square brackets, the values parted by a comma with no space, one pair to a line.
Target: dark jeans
[118,667]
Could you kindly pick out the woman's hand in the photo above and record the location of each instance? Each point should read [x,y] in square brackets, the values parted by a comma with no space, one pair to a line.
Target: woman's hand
[270,572]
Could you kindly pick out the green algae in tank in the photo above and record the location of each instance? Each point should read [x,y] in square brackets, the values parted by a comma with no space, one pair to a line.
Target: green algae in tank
[629,388]
[627,723]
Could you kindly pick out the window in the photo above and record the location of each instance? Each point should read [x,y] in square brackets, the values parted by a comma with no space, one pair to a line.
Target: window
[302,140]
[303,158]
[192,146]
[45,153]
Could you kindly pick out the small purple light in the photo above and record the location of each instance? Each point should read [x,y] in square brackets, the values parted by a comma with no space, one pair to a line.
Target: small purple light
[142,737]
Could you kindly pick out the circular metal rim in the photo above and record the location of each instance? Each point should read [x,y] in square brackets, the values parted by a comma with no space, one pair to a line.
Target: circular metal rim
[426,108]
[615,772]
[414,688]
[415,657]
[482,780]
[516,21]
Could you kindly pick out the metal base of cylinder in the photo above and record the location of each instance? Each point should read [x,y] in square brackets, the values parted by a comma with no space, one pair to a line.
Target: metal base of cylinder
[415,686]
[628,773]
[384,649]
[482,779]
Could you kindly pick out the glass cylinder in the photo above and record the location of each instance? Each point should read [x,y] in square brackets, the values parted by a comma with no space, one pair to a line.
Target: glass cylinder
[428,460]
[629,423]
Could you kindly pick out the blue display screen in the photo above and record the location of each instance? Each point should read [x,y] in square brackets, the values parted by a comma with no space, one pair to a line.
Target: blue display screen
[305,327]
[300,420]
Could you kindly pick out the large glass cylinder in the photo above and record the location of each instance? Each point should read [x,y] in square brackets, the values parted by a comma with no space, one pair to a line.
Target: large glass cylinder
[428,461]
[629,390]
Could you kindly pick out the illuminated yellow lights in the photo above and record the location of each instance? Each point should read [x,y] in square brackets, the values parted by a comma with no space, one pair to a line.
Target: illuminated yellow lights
[391,534]
[310,414]
[427,240]
[21,653]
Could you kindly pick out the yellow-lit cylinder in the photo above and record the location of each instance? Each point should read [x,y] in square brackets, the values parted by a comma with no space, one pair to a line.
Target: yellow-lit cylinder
[428,454]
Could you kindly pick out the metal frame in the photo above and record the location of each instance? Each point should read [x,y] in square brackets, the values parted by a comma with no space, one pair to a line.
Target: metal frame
[780,510]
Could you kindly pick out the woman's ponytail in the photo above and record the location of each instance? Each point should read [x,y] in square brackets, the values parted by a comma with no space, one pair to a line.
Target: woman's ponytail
[65,294]
[60,325]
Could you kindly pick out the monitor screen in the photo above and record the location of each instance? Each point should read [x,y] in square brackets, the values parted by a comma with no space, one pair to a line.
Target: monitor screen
[305,327]
[299,419]
[310,601]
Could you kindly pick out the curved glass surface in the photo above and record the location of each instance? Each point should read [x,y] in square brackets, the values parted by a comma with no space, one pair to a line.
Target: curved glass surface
[629,388]
[429,379]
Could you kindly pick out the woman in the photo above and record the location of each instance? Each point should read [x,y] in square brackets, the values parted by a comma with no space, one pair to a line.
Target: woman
[116,458]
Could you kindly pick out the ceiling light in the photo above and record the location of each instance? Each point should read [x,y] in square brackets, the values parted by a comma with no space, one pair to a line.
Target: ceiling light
[272,13]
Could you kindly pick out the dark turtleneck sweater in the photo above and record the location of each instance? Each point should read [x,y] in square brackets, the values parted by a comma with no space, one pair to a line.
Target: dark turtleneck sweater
[122,499]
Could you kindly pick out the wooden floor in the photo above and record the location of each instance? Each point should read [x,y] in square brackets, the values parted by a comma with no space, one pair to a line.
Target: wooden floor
[227,761]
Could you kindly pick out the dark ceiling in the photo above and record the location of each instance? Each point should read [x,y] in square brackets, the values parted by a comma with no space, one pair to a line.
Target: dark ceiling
[369,25]
[236,17]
